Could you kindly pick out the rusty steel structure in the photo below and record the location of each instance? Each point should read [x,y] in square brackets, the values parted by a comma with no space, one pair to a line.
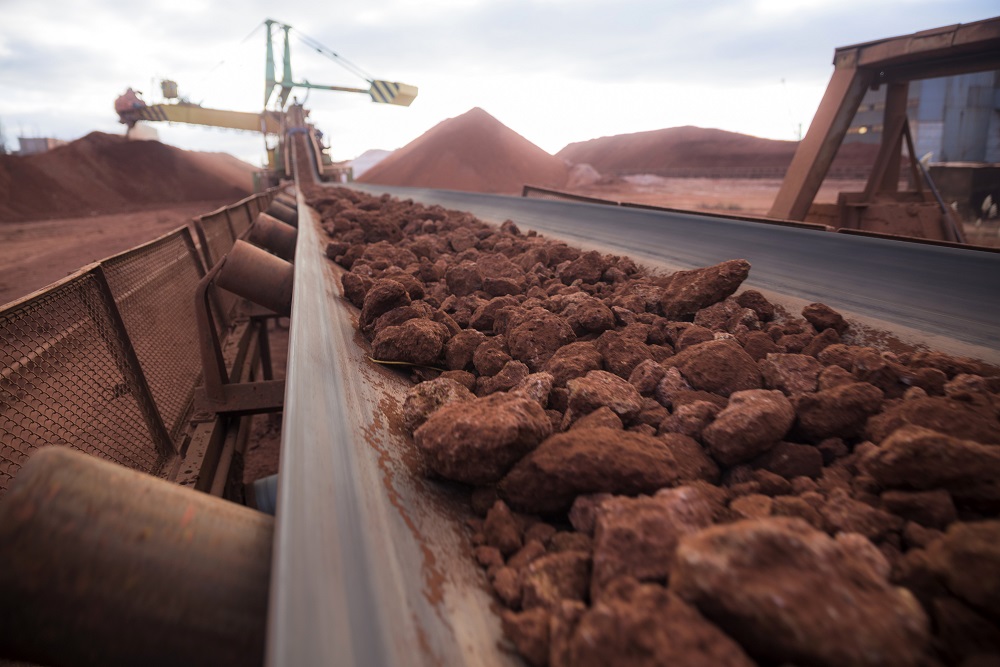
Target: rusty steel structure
[894,63]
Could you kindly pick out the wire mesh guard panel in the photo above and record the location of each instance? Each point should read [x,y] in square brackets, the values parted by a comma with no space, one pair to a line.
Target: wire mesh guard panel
[218,236]
[241,217]
[154,286]
[65,380]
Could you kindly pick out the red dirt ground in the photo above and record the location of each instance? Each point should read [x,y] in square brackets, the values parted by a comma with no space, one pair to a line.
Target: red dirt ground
[473,152]
[36,253]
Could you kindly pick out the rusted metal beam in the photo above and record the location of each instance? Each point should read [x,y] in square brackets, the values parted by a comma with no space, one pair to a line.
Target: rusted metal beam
[815,153]
[896,60]
[929,46]
[244,398]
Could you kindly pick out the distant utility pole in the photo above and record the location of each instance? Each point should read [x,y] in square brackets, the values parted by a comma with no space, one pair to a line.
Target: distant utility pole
[3,141]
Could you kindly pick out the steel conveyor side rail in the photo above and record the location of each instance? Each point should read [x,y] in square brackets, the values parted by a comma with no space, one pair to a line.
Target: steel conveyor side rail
[321,607]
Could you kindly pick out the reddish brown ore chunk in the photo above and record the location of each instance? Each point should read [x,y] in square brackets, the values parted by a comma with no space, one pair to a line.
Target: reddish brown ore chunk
[535,341]
[823,317]
[570,541]
[922,459]
[718,366]
[644,625]
[397,316]
[389,254]
[573,360]
[821,341]
[790,460]
[414,287]
[500,275]
[602,389]
[536,386]
[758,345]
[693,462]
[355,288]
[459,349]
[462,238]
[384,295]
[529,632]
[509,376]
[463,278]
[582,462]
[839,412]
[843,514]
[555,577]
[646,376]
[583,513]
[602,417]
[477,441]
[967,559]
[753,506]
[336,249]
[951,366]
[753,422]
[968,637]
[933,509]
[690,419]
[484,315]
[491,356]
[792,594]
[756,302]
[427,397]
[834,376]
[790,373]
[638,536]
[502,529]
[586,314]
[957,419]
[687,292]
[507,585]
[622,353]
[531,551]
[416,341]
[588,267]
[795,507]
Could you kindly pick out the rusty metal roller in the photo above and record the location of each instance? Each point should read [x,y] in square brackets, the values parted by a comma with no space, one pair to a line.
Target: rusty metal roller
[259,276]
[271,234]
[288,200]
[284,212]
[103,565]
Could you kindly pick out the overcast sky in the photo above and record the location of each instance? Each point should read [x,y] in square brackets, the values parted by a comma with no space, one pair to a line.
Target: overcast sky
[555,71]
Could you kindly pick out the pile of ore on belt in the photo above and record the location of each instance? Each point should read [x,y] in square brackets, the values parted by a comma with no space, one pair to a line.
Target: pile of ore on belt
[668,470]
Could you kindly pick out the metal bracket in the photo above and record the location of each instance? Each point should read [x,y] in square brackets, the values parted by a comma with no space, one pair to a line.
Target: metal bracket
[218,394]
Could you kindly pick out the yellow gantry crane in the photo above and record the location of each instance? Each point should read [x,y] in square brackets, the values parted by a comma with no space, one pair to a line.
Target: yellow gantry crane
[131,108]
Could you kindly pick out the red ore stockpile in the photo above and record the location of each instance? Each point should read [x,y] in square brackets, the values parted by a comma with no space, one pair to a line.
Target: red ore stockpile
[473,152]
[680,148]
[669,469]
[105,173]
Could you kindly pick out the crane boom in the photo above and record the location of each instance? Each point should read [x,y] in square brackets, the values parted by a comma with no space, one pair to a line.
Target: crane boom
[268,122]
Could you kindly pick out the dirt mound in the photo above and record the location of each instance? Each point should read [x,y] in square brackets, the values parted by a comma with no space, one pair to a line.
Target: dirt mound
[104,173]
[688,147]
[473,152]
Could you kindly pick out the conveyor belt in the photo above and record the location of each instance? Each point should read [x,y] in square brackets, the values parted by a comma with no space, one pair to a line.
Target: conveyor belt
[372,562]
[948,298]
